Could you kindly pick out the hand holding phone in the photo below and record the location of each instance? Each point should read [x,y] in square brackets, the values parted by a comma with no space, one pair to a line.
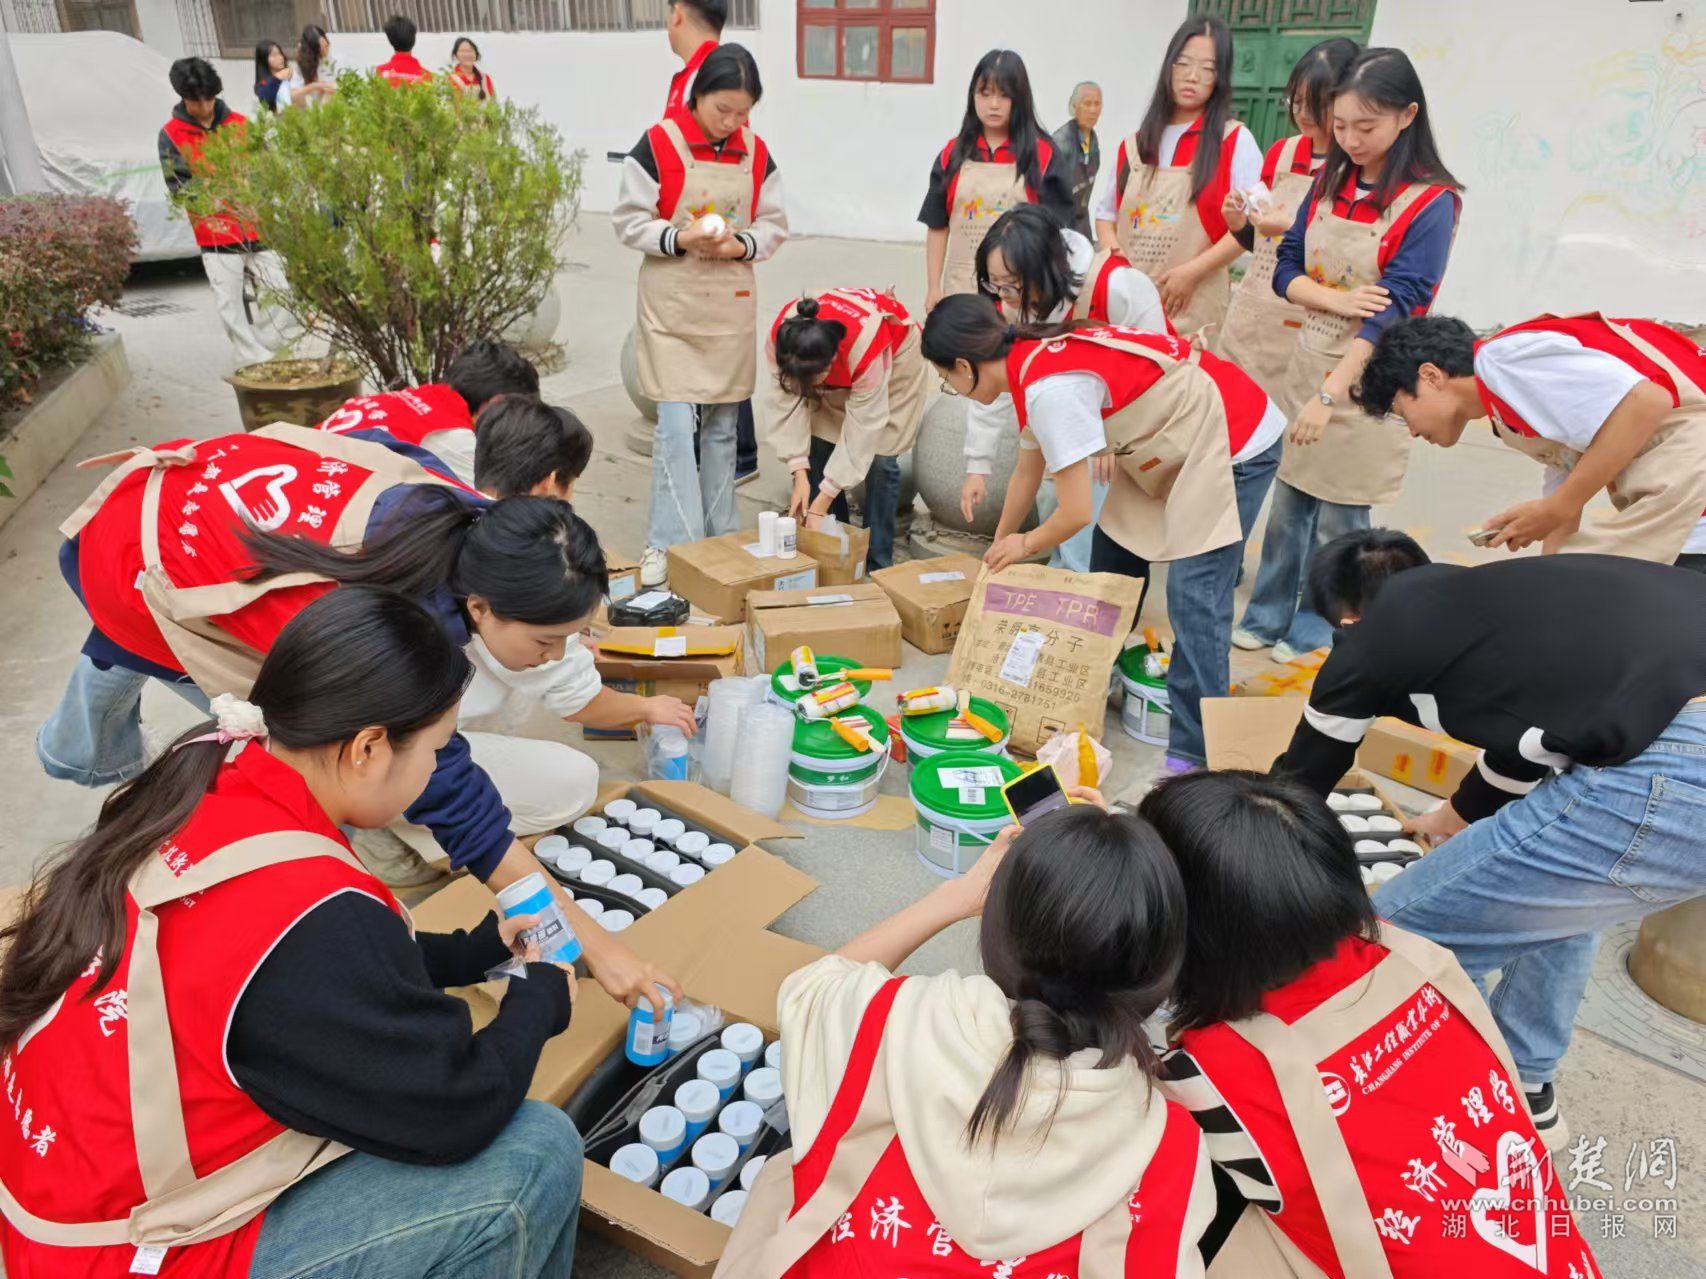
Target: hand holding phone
[1037,792]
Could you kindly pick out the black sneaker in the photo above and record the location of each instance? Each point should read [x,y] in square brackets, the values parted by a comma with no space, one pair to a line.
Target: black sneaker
[1548,1121]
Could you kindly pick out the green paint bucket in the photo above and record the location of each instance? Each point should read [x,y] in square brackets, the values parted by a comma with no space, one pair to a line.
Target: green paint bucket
[785,692]
[1147,712]
[960,808]
[830,779]
[927,735]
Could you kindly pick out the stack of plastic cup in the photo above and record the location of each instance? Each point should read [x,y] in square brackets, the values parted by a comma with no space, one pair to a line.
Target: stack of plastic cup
[766,750]
[722,729]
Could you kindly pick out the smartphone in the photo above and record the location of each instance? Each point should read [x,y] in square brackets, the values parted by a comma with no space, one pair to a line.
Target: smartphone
[1483,536]
[1037,792]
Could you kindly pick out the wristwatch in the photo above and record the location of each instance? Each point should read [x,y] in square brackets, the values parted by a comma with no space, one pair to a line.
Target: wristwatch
[1325,398]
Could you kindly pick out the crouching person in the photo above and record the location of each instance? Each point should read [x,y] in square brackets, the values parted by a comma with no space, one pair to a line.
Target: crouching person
[231,1055]
[948,1124]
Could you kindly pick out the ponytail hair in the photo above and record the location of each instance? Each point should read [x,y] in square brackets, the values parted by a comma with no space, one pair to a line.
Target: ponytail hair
[805,349]
[531,558]
[970,327]
[1084,931]
[353,659]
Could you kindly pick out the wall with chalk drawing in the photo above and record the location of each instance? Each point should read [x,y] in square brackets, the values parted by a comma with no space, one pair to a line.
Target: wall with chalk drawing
[1580,130]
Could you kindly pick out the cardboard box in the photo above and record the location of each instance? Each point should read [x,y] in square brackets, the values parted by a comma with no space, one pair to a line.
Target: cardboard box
[1429,761]
[931,597]
[855,621]
[624,575]
[713,938]
[680,661]
[718,573]
[1296,676]
[837,565]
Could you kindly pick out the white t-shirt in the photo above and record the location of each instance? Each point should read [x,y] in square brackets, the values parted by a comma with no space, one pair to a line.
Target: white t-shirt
[1246,168]
[563,687]
[1563,390]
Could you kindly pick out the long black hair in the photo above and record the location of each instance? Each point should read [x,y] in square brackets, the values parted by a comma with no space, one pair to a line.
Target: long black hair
[1216,112]
[308,53]
[263,53]
[1273,884]
[1386,78]
[353,659]
[1083,930]
[805,348]
[1315,77]
[1031,243]
[970,327]
[729,66]
[1003,70]
[531,558]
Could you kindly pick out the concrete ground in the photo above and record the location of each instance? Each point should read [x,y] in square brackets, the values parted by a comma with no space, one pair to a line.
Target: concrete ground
[176,355]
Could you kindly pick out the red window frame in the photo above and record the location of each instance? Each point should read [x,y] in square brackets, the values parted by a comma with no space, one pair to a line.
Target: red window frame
[885,16]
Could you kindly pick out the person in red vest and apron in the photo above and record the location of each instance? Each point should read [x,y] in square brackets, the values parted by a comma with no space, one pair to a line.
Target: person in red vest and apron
[1602,403]
[1194,442]
[465,73]
[1002,157]
[193,556]
[1163,208]
[1350,1078]
[845,404]
[402,67]
[439,416]
[227,1051]
[1260,332]
[1041,273]
[1002,1123]
[1369,246]
[702,201]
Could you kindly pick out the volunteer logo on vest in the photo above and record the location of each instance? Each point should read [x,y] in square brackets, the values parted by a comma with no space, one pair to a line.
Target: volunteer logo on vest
[1338,1093]
[265,508]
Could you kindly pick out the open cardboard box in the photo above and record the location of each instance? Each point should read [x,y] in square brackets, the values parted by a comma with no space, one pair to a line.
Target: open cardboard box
[680,661]
[714,939]
[1252,732]
[624,575]
[837,564]
[855,621]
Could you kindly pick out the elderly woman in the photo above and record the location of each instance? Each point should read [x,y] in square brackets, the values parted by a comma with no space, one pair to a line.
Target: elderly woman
[1076,140]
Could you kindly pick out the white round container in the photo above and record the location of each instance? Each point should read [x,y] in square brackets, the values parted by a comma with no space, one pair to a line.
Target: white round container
[663,861]
[1381,823]
[644,821]
[716,855]
[613,838]
[744,1040]
[629,885]
[615,921]
[638,1163]
[592,907]
[620,810]
[636,851]
[698,1099]
[688,1187]
[687,875]
[1371,846]
[1147,712]
[664,1129]
[729,1206]
[651,898]
[1404,846]
[685,1029]
[722,1068]
[669,830]
[749,1172]
[773,1055]
[1385,871]
[573,859]
[590,827]
[1339,802]
[550,848]
[1354,824]
[598,872]
[715,1154]
[741,1120]
[763,1087]
[693,844]
[1363,802]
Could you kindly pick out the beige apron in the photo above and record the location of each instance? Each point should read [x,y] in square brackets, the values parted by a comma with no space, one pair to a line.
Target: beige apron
[1087,294]
[1172,494]
[907,384]
[696,338]
[1260,333]
[982,193]
[1358,461]
[1159,228]
[180,1207]
[216,660]
[1661,495]
[1294,1052]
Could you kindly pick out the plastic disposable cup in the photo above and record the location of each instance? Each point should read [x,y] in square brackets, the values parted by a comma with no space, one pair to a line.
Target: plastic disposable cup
[663,861]
[613,838]
[550,848]
[729,1207]
[669,830]
[698,1100]
[688,1187]
[693,844]
[773,1055]
[598,872]
[628,884]
[620,810]
[644,821]
[722,1068]
[615,921]
[741,1120]
[591,827]
[687,875]
[651,898]
[717,855]
[638,1163]
[714,1154]
[745,1041]
[664,1129]
[763,1087]
[749,1173]
[685,1031]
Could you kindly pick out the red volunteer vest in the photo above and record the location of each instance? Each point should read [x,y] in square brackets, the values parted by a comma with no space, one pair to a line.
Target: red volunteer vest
[1302,160]
[1099,287]
[672,177]
[1002,154]
[1212,196]
[236,480]
[833,306]
[215,231]
[1360,208]
[69,1154]
[403,68]
[1430,1120]
[889,1229]
[1595,334]
[1129,376]
[409,415]
[482,82]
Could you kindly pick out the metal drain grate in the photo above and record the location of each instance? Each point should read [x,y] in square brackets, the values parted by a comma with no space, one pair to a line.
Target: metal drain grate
[147,308]
[1615,1008]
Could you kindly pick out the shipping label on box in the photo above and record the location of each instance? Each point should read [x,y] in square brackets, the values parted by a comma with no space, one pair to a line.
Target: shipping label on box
[624,575]
[856,621]
[931,597]
[718,573]
[840,556]
[678,661]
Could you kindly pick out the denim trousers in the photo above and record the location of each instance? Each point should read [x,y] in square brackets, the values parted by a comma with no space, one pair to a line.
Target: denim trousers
[693,498]
[882,499]
[510,1211]
[1526,891]
[1199,602]
[94,736]
[1297,526]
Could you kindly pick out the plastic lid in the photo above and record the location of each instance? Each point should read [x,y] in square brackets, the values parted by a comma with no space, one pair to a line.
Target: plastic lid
[636,1162]
[763,1086]
[686,1186]
[620,810]
[693,843]
[590,826]
[663,861]
[637,850]
[615,921]
[643,820]
[687,875]
[720,1066]
[715,1153]
[628,885]
[573,858]
[613,837]
[698,1099]
[1131,666]
[598,872]
[729,1206]
[826,668]
[749,1173]
[717,855]
[651,898]
[550,847]
[740,1119]
[663,1127]
[932,729]
[927,787]
[817,739]
[685,1029]
[773,1055]
[744,1040]
[669,830]
[591,906]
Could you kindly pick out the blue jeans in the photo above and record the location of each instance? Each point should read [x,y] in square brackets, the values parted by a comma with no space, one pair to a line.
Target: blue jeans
[511,1210]
[693,499]
[882,499]
[1297,526]
[94,736]
[1199,602]
[1527,890]
[1074,553]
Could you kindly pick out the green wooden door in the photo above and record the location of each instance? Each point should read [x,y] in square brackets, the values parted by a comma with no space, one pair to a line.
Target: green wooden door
[1268,37]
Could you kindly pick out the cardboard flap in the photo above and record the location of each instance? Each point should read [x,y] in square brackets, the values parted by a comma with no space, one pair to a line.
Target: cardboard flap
[909,578]
[1249,732]
[816,597]
[665,1225]
[653,642]
[727,557]
[716,811]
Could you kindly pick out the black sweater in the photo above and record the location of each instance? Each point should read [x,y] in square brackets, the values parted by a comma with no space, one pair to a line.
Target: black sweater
[1542,662]
[345,1032]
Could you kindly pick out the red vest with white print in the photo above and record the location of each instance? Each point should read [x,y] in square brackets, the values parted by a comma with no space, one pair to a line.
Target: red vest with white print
[1596,335]
[851,308]
[890,1230]
[1128,376]
[410,415]
[69,1152]
[1430,1121]
[1099,287]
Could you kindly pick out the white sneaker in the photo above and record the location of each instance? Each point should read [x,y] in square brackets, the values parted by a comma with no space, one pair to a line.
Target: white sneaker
[654,566]
[1285,654]
[1249,641]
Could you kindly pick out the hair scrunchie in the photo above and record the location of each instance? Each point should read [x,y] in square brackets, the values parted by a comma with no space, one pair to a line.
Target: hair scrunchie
[235,720]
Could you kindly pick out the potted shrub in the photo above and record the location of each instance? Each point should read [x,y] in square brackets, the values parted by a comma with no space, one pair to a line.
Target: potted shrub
[410,220]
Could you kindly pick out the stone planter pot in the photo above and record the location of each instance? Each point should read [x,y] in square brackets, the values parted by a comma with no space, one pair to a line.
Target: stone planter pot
[538,331]
[648,409]
[305,400]
[939,466]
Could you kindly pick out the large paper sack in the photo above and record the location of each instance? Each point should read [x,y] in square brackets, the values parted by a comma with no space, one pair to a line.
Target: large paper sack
[1041,643]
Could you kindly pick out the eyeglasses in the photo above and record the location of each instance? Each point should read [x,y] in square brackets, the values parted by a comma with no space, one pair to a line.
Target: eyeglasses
[1007,292]
[1189,70]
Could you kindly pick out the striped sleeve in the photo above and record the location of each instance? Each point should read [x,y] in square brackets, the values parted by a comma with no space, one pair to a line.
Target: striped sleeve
[1230,1146]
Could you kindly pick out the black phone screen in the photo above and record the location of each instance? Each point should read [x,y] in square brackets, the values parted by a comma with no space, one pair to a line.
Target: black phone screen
[1034,794]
